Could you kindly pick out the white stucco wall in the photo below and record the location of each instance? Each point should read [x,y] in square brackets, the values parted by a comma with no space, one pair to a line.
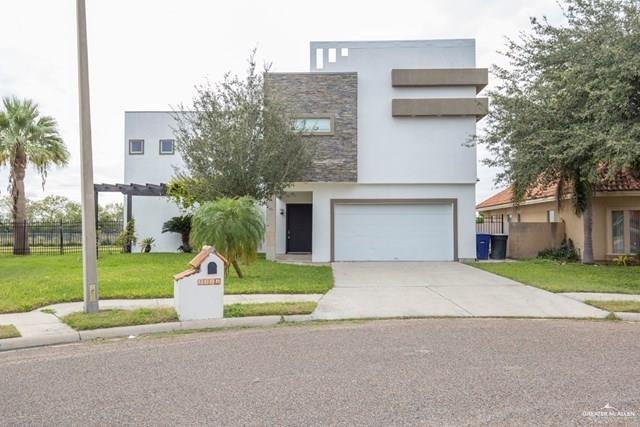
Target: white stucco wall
[151,168]
[406,149]
[323,193]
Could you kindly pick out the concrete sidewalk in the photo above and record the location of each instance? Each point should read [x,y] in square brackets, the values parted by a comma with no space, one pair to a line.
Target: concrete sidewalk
[40,327]
[421,289]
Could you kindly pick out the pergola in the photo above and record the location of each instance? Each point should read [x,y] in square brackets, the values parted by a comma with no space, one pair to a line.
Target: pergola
[129,190]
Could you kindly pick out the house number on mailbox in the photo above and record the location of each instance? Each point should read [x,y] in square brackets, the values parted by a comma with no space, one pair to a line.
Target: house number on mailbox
[208,282]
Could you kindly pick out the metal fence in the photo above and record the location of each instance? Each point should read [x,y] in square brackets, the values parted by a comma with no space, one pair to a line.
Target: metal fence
[491,225]
[54,238]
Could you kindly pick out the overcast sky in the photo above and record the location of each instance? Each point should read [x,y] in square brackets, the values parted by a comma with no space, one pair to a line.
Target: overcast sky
[148,55]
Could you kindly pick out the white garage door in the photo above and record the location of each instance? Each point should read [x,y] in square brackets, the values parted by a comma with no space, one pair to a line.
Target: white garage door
[393,232]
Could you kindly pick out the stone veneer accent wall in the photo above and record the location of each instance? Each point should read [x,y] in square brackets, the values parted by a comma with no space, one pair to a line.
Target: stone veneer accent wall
[326,94]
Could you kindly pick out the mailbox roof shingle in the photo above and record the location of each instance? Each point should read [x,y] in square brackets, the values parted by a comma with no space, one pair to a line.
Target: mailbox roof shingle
[197,261]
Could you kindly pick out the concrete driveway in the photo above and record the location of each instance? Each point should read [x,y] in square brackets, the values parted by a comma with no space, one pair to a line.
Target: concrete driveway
[412,289]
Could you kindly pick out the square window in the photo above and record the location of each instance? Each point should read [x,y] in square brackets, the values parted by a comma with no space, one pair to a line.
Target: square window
[167,146]
[617,231]
[344,51]
[136,146]
[332,54]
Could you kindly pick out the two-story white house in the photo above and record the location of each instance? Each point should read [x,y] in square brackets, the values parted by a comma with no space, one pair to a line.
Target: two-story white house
[394,173]
[151,158]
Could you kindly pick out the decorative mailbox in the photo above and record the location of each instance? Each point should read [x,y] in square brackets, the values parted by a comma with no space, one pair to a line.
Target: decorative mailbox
[198,292]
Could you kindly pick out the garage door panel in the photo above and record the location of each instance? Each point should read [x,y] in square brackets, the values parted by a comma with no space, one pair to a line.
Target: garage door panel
[407,232]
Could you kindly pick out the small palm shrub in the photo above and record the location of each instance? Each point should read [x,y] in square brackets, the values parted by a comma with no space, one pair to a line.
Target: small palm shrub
[146,244]
[233,226]
[181,225]
[622,260]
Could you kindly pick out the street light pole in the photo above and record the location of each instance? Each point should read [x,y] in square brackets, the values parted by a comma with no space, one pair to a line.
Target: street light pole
[89,261]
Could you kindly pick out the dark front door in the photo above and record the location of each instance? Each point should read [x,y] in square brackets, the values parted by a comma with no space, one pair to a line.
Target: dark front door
[299,227]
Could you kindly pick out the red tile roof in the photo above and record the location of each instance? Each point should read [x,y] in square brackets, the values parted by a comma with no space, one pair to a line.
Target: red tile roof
[198,260]
[621,182]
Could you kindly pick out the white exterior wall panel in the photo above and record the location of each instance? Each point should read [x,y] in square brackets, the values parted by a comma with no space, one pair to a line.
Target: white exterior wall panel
[407,149]
[151,168]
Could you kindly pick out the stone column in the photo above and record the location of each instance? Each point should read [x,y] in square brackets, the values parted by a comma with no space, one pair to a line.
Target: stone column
[270,237]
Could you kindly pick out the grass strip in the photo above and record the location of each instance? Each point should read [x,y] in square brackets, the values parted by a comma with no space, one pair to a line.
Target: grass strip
[144,316]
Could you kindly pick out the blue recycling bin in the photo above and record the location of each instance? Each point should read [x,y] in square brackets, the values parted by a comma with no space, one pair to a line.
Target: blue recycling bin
[482,246]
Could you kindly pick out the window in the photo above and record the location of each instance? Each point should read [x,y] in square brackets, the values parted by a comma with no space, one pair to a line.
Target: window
[319,59]
[136,146]
[509,217]
[344,51]
[519,218]
[313,125]
[332,54]
[617,231]
[167,146]
[551,216]
[634,229]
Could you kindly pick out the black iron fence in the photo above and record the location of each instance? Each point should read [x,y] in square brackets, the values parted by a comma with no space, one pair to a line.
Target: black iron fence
[494,224]
[54,238]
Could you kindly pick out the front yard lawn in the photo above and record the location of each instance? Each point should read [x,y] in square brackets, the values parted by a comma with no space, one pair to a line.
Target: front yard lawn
[613,306]
[143,316]
[8,331]
[555,277]
[29,282]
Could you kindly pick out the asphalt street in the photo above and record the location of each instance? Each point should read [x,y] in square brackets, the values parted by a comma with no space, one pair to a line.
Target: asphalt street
[393,372]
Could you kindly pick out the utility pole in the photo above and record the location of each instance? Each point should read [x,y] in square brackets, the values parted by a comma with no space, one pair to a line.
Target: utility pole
[89,259]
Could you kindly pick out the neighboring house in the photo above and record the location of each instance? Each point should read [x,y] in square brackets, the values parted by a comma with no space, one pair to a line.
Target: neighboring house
[616,215]
[393,176]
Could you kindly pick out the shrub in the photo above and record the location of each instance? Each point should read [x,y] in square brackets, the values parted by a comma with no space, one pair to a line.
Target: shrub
[233,226]
[127,237]
[567,252]
[182,226]
[146,244]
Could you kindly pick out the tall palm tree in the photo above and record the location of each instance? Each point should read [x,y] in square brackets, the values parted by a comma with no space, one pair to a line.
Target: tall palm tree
[27,138]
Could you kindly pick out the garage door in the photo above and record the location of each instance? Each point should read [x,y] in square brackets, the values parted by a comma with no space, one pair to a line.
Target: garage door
[393,232]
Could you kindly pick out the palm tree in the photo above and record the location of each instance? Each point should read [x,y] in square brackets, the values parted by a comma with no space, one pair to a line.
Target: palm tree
[181,225]
[26,138]
[233,226]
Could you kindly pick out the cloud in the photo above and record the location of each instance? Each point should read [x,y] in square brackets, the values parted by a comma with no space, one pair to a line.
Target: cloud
[148,54]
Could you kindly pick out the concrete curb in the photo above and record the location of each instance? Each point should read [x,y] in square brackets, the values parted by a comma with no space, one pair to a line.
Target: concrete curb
[26,342]
[298,318]
[126,331]
[189,325]
[629,317]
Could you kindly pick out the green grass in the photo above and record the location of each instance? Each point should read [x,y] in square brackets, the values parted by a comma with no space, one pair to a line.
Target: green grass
[555,277]
[29,282]
[8,331]
[613,306]
[269,309]
[143,316]
[111,318]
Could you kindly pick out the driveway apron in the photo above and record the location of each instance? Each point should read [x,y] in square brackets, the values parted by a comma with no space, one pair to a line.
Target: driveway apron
[433,289]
